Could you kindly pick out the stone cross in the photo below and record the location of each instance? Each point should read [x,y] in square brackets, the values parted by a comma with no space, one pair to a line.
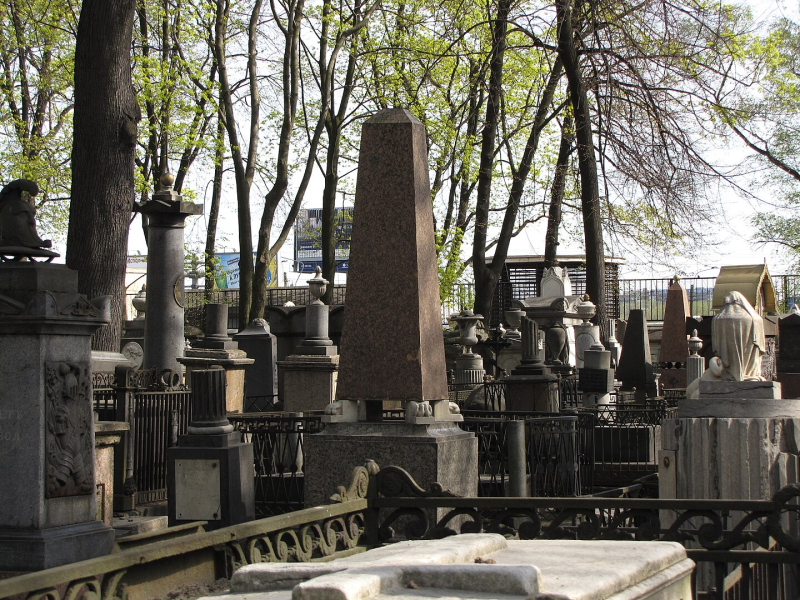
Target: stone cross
[392,346]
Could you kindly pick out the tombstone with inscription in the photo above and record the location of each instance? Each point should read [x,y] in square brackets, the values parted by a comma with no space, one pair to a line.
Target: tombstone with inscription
[392,348]
[48,491]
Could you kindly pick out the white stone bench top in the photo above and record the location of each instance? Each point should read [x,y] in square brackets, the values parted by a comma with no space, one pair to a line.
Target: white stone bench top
[442,569]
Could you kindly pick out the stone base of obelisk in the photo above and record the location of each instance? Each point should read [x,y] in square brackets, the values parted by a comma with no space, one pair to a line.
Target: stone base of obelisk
[438,452]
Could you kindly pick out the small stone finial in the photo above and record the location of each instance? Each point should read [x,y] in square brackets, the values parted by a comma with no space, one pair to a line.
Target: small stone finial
[675,279]
[317,285]
[695,343]
[167,180]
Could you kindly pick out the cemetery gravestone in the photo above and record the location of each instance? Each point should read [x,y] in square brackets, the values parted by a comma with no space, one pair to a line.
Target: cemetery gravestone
[635,369]
[392,347]
[674,350]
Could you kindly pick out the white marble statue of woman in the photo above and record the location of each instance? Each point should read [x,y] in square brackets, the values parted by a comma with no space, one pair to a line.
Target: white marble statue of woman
[737,336]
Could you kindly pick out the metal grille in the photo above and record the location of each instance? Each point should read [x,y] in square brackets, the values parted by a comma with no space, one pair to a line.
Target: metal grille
[278,456]
[553,454]
[159,418]
[627,440]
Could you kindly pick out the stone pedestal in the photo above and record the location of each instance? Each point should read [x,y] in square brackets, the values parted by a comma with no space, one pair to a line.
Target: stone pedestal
[309,382]
[210,472]
[586,336]
[438,452]
[732,448]
[217,349]
[531,386]
[48,493]
[163,333]
[234,362]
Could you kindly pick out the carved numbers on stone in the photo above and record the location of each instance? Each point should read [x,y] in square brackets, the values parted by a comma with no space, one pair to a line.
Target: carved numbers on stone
[68,439]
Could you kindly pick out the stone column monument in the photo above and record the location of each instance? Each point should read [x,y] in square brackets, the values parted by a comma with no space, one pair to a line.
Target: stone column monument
[163,331]
[47,474]
[392,348]
[217,349]
[310,374]
[673,354]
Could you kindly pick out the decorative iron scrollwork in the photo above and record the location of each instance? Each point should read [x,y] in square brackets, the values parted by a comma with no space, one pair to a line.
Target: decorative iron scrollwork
[396,482]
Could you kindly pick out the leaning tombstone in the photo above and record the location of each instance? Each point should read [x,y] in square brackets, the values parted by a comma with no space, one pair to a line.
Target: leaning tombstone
[47,444]
[392,349]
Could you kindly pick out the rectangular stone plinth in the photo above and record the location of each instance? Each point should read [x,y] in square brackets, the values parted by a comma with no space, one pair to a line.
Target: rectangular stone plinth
[740,389]
[309,382]
[439,452]
[790,384]
[739,408]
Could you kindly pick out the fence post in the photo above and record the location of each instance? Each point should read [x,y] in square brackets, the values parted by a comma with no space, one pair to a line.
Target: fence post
[517,472]
[124,481]
[691,301]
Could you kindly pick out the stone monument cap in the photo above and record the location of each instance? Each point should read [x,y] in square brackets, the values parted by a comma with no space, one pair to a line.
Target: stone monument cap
[18,236]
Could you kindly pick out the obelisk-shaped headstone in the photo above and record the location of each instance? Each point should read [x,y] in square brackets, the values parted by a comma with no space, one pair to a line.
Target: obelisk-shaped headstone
[635,369]
[392,346]
[674,348]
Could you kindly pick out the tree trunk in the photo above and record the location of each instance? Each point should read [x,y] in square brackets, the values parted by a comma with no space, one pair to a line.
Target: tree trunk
[485,278]
[329,220]
[213,213]
[587,166]
[105,122]
[557,194]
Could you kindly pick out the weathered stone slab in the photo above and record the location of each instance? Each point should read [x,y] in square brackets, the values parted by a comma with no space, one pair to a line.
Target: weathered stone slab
[563,569]
[739,408]
[740,389]
[392,346]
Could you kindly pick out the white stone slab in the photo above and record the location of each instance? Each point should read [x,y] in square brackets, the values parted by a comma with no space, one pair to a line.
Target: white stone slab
[508,569]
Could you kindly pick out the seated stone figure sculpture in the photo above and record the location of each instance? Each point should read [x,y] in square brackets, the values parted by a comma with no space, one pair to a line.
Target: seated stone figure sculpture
[17,223]
[737,335]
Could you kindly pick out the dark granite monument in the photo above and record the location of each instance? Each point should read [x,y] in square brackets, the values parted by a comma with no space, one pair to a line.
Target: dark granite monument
[47,446]
[392,348]
[163,331]
[635,369]
[210,472]
[674,349]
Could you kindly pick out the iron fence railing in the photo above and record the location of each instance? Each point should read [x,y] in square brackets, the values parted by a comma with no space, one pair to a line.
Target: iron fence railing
[277,440]
[719,535]
[159,417]
[156,412]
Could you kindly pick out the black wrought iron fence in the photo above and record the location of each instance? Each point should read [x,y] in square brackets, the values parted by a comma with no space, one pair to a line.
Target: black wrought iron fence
[159,417]
[627,440]
[277,440]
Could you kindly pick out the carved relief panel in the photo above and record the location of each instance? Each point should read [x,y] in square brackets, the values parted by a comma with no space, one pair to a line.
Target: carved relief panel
[68,439]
